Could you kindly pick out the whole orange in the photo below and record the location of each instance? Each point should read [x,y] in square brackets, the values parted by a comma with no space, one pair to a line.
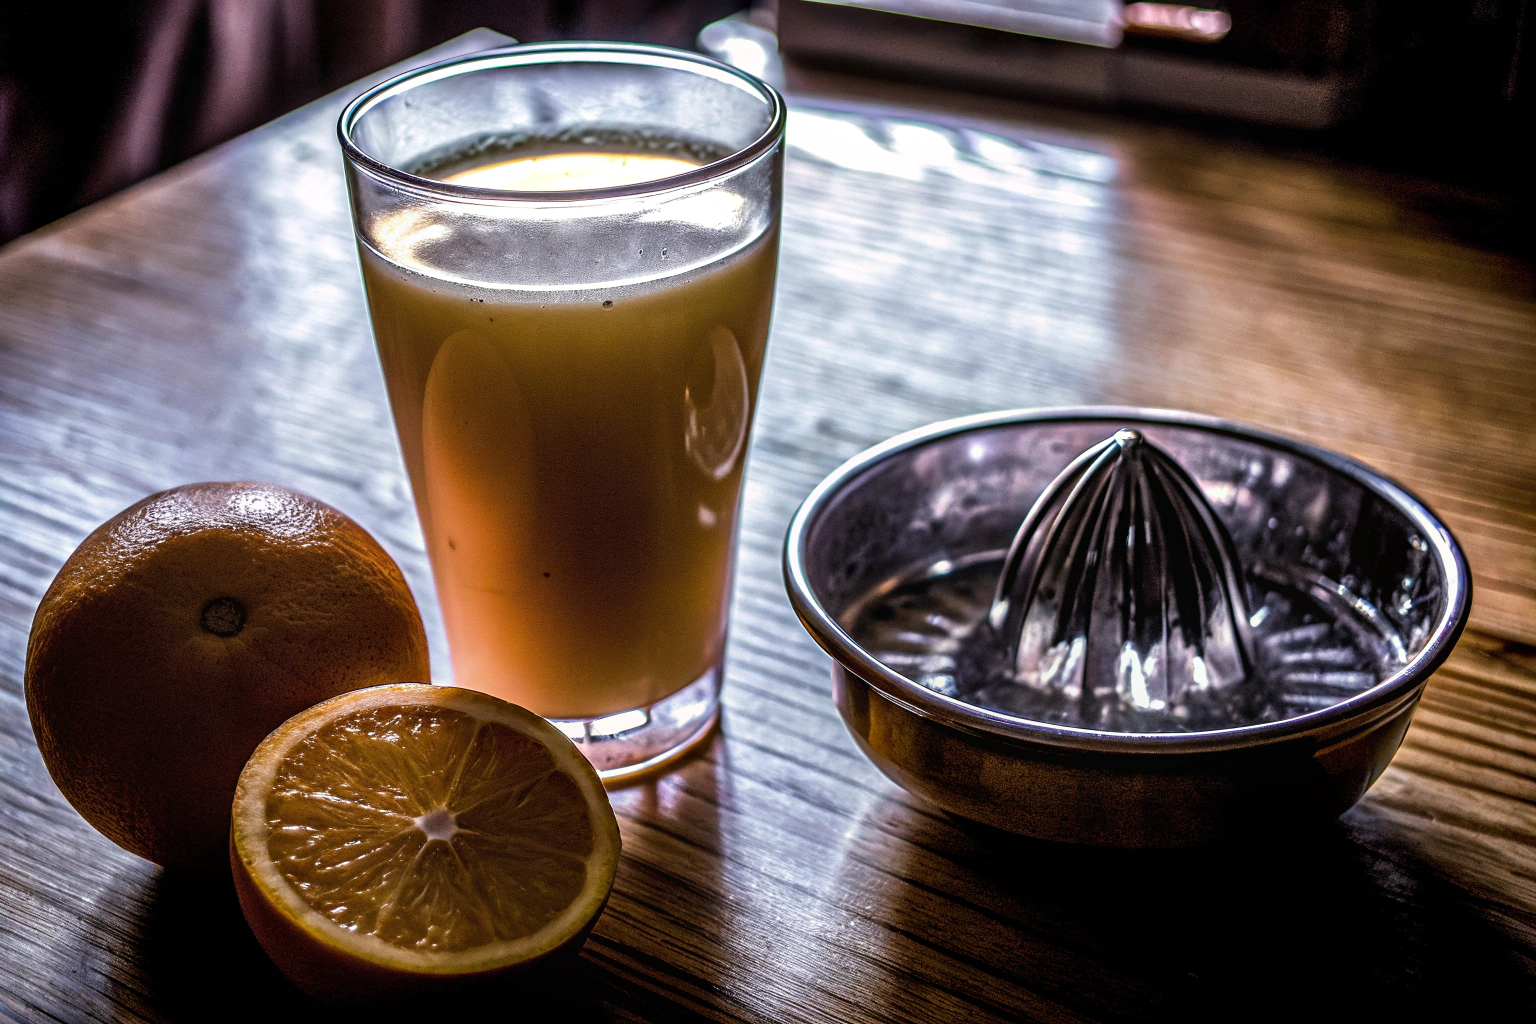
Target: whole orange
[185,629]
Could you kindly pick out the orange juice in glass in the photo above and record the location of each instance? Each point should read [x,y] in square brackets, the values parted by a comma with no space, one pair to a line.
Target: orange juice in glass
[569,253]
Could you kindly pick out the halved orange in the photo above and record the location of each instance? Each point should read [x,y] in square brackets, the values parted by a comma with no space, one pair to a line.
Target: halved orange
[401,838]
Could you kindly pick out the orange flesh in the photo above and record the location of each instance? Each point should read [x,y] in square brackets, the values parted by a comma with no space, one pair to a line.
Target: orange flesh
[429,829]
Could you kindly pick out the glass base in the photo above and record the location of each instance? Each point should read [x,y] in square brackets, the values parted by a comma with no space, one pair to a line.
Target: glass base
[627,743]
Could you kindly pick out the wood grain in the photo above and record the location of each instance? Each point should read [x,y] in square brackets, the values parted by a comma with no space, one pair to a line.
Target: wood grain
[210,324]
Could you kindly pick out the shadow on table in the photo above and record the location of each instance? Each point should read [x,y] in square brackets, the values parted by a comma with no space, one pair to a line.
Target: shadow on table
[183,952]
[677,913]
[197,961]
[1342,920]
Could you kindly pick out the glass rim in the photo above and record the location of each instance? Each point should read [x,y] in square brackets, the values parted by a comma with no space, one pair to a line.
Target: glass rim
[548,53]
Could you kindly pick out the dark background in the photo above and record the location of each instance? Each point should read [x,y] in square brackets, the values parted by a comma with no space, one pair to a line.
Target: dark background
[95,96]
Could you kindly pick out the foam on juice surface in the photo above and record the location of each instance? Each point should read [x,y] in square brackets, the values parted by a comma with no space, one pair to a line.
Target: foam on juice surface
[562,172]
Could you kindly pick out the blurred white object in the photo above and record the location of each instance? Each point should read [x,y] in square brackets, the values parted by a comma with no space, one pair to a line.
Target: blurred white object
[743,44]
[944,44]
[1171,21]
[1095,22]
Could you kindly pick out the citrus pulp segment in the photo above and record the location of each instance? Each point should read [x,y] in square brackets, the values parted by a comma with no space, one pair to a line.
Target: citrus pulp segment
[407,834]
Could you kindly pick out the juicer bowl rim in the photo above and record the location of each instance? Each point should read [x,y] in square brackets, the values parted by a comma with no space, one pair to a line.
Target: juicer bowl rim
[1326,722]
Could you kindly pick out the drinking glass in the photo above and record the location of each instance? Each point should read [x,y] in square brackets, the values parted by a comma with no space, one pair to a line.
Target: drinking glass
[573,374]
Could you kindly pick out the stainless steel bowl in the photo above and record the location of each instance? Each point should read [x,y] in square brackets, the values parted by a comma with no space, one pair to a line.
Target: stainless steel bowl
[957,489]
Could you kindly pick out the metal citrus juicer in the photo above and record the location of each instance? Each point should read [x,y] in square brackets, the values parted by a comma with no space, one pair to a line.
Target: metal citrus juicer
[1189,630]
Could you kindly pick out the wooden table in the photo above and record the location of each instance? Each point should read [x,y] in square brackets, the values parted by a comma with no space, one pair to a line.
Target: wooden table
[209,323]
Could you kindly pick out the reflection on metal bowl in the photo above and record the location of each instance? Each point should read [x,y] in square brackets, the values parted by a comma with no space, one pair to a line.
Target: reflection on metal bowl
[949,496]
